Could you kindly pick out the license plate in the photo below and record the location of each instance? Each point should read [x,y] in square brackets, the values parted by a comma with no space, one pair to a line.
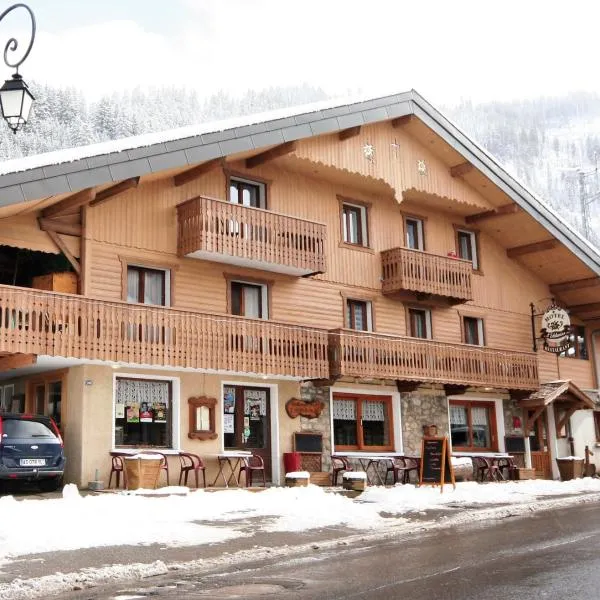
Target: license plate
[33,462]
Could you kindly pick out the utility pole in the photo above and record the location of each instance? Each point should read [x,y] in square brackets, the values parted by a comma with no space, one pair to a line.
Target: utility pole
[585,218]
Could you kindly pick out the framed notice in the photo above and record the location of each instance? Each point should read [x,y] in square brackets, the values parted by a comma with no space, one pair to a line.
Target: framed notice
[436,463]
[228,426]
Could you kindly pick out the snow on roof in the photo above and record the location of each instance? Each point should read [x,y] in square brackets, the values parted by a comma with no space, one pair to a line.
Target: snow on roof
[148,139]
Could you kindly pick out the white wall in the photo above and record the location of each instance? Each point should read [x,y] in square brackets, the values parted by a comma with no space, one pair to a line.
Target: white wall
[584,434]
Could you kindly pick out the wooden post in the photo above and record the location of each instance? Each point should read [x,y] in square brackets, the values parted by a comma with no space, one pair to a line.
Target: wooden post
[528,463]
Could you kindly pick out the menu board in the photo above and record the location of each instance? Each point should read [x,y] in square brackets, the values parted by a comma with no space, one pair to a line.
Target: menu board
[436,465]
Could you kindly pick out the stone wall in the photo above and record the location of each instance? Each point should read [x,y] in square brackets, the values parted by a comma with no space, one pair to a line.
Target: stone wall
[422,407]
[322,424]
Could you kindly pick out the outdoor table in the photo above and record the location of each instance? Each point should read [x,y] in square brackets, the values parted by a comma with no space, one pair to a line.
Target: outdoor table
[229,464]
[491,463]
[370,463]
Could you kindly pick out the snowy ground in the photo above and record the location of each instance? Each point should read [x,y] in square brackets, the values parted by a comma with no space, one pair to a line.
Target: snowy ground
[185,518]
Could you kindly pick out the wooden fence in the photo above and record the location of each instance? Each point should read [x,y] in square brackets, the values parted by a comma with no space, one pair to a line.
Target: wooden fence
[207,225]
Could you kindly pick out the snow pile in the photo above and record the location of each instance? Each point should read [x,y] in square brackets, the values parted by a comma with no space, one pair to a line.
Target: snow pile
[205,517]
[297,475]
[461,461]
[360,475]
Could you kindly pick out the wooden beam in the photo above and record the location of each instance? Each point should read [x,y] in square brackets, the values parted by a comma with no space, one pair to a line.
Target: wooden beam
[263,157]
[351,132]
[71,203]
[197,171]
[16,361]
[506,209]
[531,248]
[565,418]
[63,248]
[579,308]
[59,227]
[462,169]
[114,190]
[530,422]
[401,121]
[577,284]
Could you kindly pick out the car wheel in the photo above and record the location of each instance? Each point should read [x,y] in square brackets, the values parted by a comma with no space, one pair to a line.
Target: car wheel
[50,485]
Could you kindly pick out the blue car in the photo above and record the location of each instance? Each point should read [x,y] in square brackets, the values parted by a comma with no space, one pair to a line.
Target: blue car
[31,449]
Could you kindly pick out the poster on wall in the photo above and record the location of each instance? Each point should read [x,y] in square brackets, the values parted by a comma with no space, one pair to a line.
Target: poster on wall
[119,411]
[228,426]
[160,412]
[228,401]
[133,414]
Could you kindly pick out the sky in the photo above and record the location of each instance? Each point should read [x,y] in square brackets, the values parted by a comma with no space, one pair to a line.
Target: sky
[479,50]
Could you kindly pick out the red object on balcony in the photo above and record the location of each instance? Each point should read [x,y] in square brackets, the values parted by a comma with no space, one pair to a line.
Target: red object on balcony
[292,461]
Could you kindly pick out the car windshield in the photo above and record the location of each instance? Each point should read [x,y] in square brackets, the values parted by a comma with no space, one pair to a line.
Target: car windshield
[16,428]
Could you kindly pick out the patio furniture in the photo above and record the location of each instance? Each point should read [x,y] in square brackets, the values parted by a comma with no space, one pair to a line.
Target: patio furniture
[401,467]
[486,468]
[229,466]
[250,464]
[191,463]
[339,464]
[117,468]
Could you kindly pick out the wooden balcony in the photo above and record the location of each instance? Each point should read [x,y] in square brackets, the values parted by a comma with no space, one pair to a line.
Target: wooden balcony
[250,237]
[378,356]
[47,323]
[413,274]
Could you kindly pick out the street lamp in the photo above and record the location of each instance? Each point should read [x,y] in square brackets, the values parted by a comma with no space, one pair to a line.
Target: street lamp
[15,98]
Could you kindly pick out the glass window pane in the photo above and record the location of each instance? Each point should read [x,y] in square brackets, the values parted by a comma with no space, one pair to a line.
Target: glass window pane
[229,424]
[54,401]
[252,301]
[459,431]
[375,423]
[133,285]
[344,423]
[481,427]
[154,282]
[233,193]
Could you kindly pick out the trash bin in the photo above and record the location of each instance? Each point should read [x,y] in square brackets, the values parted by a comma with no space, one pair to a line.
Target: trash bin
[292,462]
[142,471]
[570,467]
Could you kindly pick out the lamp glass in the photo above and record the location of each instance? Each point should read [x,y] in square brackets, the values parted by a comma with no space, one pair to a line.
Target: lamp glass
[16,101]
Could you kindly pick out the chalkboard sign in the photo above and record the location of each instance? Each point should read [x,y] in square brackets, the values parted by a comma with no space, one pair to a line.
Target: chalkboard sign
[436,465]
[308,442]
[514,443]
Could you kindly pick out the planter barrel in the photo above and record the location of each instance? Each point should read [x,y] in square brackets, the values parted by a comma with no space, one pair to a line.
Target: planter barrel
[142,472]
[570,468]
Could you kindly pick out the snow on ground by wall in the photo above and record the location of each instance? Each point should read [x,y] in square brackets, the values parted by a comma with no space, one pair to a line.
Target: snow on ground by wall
[202,517]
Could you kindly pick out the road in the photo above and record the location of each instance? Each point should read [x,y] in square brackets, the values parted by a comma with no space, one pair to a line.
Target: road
[549,555]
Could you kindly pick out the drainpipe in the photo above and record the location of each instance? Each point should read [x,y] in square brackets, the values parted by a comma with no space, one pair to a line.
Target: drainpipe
[595,358]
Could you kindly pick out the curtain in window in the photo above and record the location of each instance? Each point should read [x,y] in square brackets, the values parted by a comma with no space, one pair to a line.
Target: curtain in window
[479,415]
[154,288]
[252,302]
[344,410]
[373,411]
[458,415]
[133,285]
[133,391]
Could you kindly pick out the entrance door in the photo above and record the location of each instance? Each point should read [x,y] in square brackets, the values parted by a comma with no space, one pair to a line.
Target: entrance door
[538,439]
[246,421]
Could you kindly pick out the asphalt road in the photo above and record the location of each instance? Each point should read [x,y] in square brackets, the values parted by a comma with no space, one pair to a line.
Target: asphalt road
[549,555]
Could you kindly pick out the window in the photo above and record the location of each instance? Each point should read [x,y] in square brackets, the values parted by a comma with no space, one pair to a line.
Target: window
[354,224]
[419,323]
[472,426]
[147,286]
[358,315]
[413,228]
[466,242]
[247,192]
[578,347]
[47,399]
[143,413]
[362,422]
[249,300]
[597,424]
[473,331]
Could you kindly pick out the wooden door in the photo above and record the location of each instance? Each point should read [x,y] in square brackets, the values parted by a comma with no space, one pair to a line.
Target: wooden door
[540,454]
[247,421]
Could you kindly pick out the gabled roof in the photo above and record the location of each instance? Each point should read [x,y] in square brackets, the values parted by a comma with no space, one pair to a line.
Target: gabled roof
[78,168]
[564,390]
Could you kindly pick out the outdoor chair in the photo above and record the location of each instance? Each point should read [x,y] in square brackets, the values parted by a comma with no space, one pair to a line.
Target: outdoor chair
[191,463]
[249,465]
[401,468]
[484,468]
[117,467]
[339,465]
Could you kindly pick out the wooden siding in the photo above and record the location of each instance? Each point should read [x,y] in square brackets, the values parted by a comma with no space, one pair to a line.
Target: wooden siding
[368,355]
[232,232]
[416,271]
[34,322]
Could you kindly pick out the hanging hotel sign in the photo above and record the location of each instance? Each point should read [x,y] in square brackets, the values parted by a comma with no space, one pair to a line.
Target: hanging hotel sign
[556,329]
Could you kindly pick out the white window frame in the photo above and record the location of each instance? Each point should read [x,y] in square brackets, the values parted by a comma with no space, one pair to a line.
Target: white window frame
[420,232]
[473,239]
[167,273]
[175,401]
[369,306]
[428,326]
[264,291]
[363,222]
[262,191]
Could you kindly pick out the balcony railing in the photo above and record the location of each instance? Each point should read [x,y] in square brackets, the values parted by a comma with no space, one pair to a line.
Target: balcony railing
[369,355]
[46,323]
[421,272]
[246,236]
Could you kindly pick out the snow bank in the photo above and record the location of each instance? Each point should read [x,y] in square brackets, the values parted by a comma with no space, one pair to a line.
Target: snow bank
[298,475]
